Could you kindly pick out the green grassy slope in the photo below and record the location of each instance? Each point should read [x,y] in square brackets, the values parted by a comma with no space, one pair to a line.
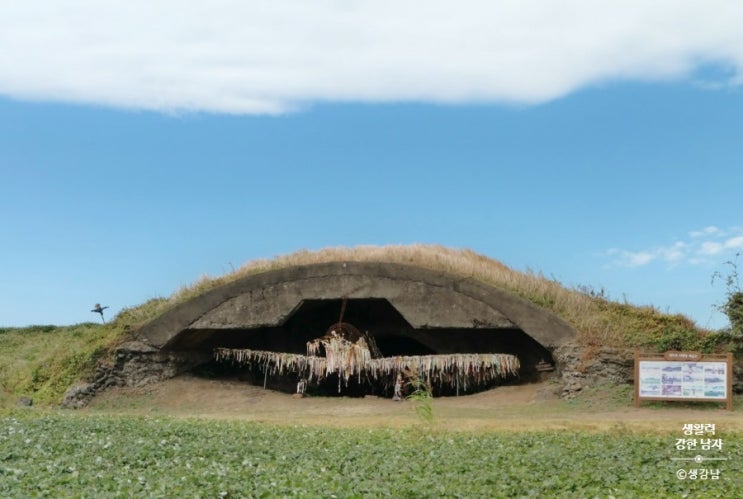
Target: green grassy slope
[43,361]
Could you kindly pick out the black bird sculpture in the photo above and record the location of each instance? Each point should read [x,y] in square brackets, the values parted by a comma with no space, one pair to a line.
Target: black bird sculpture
[99,310]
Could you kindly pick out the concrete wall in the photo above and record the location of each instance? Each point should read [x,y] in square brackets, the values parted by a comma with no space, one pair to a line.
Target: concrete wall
[425,298]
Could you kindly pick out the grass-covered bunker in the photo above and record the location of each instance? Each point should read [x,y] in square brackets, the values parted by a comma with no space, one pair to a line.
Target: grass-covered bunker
[406,310]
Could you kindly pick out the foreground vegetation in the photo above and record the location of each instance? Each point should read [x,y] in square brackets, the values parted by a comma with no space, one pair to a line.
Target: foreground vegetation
[69,455]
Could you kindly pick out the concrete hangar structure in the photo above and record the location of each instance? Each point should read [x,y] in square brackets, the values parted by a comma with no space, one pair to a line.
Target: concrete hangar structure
[405,310]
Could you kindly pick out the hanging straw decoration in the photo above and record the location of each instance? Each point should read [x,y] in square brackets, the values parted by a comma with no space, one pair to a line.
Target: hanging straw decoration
[352,359]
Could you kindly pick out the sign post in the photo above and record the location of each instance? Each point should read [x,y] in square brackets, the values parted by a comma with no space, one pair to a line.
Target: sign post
[684,376]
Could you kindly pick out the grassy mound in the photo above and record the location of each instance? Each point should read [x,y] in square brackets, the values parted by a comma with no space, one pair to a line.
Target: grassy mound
[598,320]
[42,361]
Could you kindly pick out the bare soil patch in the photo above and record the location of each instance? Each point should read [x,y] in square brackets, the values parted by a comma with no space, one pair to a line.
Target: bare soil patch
[527,407]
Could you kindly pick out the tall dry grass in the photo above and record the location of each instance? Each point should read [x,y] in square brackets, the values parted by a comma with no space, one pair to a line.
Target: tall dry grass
[597,320]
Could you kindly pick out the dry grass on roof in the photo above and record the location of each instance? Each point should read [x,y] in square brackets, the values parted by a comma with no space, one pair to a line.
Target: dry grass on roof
[597,320]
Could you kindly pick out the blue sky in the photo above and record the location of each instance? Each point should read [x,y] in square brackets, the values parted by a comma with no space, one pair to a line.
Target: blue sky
[626,177]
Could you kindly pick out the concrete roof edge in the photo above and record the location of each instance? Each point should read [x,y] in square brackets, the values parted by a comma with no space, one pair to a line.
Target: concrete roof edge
[536,321]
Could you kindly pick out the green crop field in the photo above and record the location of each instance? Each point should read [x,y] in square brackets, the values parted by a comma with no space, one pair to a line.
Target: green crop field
[57,455]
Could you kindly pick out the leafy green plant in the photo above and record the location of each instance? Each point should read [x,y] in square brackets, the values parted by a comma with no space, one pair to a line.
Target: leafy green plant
[677,339]
[423,397]
[733,308]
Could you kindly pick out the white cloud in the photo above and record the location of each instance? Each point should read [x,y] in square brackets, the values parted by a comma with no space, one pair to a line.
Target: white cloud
[734,243]
[631,259]
[717,247]
[675,253]
[638,259]
[710,248]
[707,231]
[268,56]
[704,246]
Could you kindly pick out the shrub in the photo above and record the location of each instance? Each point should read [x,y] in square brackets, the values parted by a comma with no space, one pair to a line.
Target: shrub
[733,306]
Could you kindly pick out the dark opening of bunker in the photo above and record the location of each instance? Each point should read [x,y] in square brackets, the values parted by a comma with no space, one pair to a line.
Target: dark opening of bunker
[384,325]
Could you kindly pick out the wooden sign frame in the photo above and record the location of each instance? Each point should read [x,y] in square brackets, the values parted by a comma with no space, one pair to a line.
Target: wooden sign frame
[684,377]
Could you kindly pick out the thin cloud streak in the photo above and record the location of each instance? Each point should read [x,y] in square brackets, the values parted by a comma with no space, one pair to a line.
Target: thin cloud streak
[267,57]
[701,247]
[707,231]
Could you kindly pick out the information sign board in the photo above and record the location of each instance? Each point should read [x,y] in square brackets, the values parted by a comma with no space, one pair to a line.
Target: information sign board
[683,376]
